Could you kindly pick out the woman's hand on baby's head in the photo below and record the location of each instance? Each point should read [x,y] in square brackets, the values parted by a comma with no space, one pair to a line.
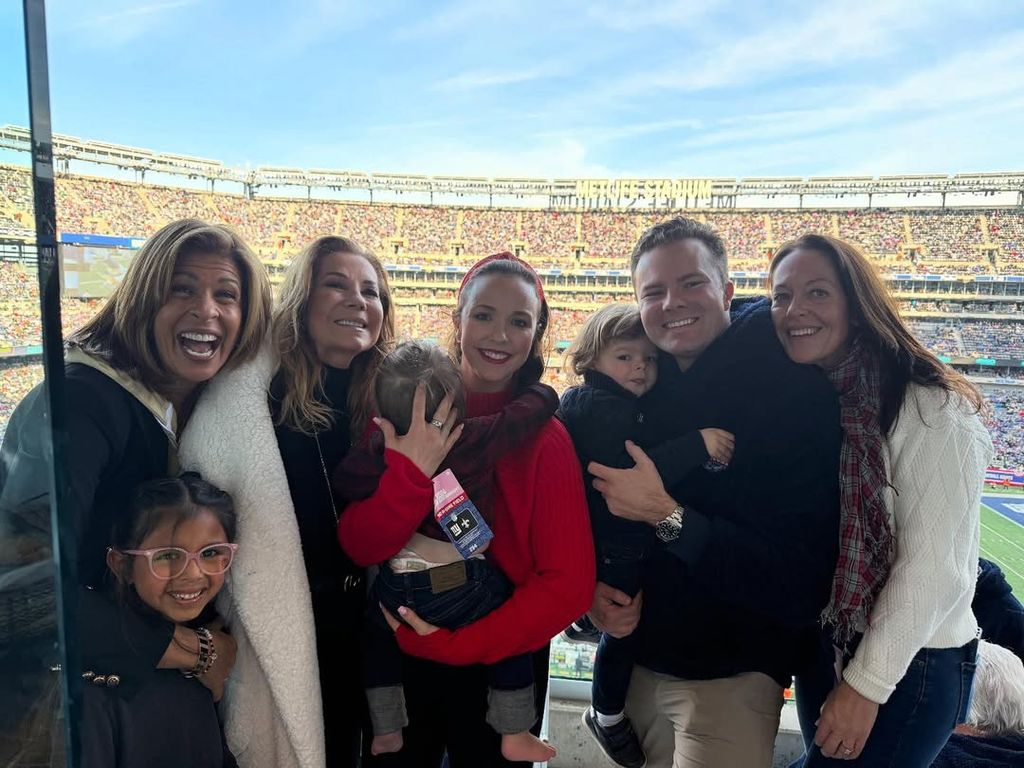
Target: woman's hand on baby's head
[427,442]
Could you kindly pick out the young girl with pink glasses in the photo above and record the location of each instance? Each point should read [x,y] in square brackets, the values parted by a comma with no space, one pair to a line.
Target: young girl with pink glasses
[169,558]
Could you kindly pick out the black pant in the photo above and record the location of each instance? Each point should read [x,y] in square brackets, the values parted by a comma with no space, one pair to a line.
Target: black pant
[446,708]
[621,567]
[337,614]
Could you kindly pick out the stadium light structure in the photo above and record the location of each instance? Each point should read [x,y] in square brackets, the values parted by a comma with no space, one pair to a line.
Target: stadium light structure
[558,193]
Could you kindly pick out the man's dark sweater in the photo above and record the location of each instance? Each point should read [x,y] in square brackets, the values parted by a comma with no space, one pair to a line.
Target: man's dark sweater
[742,588]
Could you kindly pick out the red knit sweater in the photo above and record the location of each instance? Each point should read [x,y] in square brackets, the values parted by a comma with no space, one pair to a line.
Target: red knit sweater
[542,542]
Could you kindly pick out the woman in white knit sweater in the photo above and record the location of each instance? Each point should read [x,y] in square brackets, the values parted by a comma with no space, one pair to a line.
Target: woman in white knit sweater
[913,461]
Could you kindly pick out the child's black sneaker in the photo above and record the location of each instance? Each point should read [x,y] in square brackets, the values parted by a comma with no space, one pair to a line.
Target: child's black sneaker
[619,742]
[582,631]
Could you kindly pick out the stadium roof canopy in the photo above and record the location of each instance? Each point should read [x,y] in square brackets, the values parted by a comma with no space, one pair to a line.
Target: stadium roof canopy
[578,193]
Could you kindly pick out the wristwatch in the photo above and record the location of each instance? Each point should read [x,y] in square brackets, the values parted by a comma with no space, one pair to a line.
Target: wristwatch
[669,528]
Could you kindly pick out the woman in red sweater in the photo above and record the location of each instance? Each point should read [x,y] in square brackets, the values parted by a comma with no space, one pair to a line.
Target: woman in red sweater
[542,539]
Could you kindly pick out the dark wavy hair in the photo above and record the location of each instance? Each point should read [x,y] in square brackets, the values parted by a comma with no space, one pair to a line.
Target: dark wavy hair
[874,316]
[179,498]
[533,368]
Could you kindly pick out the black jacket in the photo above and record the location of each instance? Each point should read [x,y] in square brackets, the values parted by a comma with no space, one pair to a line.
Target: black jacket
[961,751]
[601,416]
[113,444]
[327,565]
[1000,615]
[743,586]
[337,585]
[169,721]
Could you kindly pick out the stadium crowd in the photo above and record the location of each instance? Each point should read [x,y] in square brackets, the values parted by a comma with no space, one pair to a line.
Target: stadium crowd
[901,241]
[987,337]
[1006,424]
[19,326]
[925,241]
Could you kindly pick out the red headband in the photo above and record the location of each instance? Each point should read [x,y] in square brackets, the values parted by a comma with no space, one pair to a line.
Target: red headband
[503,256]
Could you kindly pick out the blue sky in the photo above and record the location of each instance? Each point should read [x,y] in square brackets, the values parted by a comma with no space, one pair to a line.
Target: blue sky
[542,88]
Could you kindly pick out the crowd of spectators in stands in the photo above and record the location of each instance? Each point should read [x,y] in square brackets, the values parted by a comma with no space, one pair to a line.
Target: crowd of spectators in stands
[102,207]
[942,338]
[1006,423]
[989,337]
[877,232]
[947,234]
[429,230]
[926,241]
[1007,230]
[488,231]
[15,201]
[963,307]
[15,383]
[912,241]
[609,237]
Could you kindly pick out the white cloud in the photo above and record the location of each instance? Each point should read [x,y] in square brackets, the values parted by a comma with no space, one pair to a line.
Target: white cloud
[969,80]
[113,23]
[836,35]
[465,16]
[474,79]
[609,133]
[312,21]
[563,156]
[633,15]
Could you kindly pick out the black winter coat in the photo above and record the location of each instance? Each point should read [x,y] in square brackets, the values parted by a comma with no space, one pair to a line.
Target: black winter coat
[600,416]
[742,588]
[113,444]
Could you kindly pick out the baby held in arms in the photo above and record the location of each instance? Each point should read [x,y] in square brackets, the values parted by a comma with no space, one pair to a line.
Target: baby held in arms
[443,572]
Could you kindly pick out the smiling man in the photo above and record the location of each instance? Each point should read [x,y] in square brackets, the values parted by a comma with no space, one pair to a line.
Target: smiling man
[732,596]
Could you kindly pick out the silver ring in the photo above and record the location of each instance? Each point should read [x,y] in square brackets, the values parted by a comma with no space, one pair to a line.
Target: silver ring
[437,423]
[847,751]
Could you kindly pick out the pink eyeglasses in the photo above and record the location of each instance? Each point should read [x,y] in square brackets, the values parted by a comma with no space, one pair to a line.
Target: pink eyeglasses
[170,562]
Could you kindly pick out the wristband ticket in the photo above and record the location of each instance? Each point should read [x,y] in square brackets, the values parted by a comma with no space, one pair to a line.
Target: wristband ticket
[458,516]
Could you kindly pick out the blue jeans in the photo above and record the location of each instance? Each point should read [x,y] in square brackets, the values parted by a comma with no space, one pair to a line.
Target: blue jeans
[480,589]
[913,725]
[620,567]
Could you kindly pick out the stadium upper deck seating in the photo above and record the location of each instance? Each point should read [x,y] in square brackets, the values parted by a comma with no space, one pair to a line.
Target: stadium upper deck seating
[927,240]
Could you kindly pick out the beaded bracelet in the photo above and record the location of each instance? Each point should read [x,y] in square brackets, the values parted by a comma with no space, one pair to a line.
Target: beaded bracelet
[206,656]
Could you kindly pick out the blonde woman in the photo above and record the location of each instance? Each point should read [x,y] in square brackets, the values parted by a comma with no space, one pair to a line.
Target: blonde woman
[333,324]
[193,301]
[295,601]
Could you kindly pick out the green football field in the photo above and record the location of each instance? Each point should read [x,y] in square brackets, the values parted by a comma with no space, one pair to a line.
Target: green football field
[1002,541]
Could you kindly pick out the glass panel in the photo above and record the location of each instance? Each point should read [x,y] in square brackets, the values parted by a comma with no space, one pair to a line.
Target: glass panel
[572,660]
[32,715]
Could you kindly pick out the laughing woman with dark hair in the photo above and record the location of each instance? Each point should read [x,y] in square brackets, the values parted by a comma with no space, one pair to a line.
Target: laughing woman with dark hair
[913,461]
[193,301]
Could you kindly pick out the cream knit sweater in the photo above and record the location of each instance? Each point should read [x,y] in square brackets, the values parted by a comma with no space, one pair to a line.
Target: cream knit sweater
[936,457]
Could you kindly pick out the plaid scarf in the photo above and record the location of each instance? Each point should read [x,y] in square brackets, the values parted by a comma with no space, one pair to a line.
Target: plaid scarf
[866,543]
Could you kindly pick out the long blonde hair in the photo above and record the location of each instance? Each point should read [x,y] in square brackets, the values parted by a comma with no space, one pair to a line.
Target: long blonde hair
[302,402]
[121,333]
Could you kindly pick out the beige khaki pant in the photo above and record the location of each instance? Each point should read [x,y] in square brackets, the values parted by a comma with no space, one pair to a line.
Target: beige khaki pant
[726,723]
